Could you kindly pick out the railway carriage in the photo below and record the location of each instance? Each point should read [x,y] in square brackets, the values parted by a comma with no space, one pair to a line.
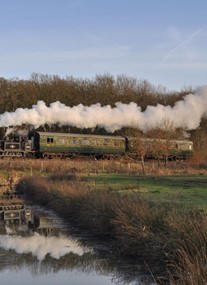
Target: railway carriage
[180,149]
[48,144]
[154,148]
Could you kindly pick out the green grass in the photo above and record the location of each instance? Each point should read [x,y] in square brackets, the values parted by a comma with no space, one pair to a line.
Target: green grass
[185,190]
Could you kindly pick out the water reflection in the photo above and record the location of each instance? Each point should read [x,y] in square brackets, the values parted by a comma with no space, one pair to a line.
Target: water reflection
[63,278]
[37,246]
[41,246]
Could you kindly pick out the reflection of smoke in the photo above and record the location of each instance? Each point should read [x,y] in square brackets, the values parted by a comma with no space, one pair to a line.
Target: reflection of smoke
[9,230]
[186,113]
[40,246]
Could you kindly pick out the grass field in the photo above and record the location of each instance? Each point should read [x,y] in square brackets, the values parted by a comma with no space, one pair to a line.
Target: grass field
[185,190]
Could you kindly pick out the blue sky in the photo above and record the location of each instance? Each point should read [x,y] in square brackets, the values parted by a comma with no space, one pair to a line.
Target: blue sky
[162,41]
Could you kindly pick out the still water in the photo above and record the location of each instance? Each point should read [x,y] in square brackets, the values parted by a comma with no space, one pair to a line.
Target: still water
[37,248]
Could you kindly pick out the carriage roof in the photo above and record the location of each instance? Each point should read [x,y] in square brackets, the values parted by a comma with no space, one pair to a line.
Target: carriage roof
[74,135]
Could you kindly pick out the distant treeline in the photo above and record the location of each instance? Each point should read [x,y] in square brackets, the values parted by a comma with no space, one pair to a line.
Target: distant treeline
[103,89]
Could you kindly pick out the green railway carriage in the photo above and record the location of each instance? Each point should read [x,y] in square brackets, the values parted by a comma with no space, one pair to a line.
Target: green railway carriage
[67,144]
[180,149]
[153,148]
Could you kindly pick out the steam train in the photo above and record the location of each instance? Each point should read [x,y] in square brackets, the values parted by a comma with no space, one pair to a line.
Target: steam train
[48,144]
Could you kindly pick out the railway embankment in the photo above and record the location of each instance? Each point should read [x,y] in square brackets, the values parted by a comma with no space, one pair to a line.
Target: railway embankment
[169,240]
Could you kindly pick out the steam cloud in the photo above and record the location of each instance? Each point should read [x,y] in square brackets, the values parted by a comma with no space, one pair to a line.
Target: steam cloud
[186,114]
[40,246]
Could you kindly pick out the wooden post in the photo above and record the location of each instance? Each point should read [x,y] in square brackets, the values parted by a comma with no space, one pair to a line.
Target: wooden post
[129,168]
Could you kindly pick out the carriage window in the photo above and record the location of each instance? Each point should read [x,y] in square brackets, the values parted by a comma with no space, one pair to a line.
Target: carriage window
[93,142]
[85,142]
[74,141]
[116,143]
[99,142]
[62,141]
[106,142]
[50,140]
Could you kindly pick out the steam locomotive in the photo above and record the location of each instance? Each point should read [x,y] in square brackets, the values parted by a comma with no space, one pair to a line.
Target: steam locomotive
[48,144]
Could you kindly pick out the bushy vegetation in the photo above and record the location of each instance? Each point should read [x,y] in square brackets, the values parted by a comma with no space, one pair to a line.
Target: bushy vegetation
[170,240]
[104,89]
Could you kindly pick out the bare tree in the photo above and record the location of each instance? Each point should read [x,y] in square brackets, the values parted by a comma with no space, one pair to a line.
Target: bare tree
[162,137]
[137,147]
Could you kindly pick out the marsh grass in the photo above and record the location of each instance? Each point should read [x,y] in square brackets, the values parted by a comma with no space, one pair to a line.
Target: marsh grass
[189,258]
[170,240]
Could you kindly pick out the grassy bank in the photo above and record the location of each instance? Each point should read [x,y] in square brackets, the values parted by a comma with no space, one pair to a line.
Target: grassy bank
[154,232]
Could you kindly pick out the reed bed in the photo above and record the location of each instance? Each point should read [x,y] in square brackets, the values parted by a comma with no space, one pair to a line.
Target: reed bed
[172,238]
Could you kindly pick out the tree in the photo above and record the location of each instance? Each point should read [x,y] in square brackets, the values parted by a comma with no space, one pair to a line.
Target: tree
[105,89]
[126,88]
[137,147]
[162,139]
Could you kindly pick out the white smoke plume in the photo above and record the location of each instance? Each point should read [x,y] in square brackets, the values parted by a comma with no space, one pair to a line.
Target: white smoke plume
[186,114]
[40,245]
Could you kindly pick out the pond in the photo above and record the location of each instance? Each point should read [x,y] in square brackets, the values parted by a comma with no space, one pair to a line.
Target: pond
[36,247]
